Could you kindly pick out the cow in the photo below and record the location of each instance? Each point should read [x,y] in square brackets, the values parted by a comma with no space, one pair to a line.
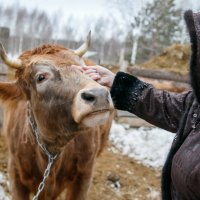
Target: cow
[56,117]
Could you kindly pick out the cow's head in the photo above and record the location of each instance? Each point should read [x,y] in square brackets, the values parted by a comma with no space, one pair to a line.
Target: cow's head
[62,98]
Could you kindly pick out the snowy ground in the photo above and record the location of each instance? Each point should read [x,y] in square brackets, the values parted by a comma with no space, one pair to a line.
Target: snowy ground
[3,182]
[146,145]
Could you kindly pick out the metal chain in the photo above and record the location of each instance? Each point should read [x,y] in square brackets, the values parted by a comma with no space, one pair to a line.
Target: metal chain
[51,157]
[45,175]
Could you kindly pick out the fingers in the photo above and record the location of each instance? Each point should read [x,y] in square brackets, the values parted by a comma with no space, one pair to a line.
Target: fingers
[89,71]
[92,73]
[98,68]
[86,69]
[95,76]
[103,82]
[90,67]
[79,68]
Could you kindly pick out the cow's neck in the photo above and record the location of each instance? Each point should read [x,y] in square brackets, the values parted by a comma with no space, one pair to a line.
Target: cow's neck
[36,133]
[57,144]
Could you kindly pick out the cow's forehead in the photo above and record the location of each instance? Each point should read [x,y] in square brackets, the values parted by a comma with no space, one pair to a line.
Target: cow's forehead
[43,50]
[56,60]
[52,54]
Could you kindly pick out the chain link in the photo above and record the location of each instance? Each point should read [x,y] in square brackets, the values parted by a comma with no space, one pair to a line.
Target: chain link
[45,176]
[51,157]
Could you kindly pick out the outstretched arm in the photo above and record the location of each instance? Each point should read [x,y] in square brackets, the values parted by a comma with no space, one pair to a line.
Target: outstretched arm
[160,108]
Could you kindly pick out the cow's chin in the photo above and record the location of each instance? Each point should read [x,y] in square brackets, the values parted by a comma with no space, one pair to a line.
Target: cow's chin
[96,118]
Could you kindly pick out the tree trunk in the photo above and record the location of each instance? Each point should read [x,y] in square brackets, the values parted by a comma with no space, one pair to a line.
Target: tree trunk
[158,74]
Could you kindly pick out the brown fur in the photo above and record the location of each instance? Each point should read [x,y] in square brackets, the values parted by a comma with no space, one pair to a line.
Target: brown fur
[77,145]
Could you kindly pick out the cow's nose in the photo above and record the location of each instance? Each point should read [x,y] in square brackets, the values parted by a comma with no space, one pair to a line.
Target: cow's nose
[88,97]
[96,96]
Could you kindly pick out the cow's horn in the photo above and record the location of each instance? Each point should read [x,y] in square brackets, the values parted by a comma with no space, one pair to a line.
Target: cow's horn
[84,47]
[13,63]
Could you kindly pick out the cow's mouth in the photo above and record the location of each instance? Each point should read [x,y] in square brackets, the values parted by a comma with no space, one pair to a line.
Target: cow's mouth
[97,117]
[97,112]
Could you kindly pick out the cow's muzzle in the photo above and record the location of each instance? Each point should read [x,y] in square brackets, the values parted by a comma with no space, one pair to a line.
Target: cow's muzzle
[96,97]
[92,106]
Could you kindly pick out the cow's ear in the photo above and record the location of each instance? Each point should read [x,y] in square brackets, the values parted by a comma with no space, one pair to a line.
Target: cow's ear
[10,91]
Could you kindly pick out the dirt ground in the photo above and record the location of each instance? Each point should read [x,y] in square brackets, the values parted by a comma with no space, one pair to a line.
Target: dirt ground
[116,177]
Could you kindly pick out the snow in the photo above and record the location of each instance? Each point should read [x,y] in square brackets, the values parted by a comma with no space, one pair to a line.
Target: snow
[3,182]
[148,146]
[3,195]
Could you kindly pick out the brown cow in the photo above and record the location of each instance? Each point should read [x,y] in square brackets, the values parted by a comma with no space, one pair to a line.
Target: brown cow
[70,113]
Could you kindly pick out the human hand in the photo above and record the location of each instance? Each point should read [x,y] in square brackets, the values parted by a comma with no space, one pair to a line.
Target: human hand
[100,74]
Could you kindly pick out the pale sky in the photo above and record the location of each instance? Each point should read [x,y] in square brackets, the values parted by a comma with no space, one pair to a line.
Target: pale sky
[82,8]
[79,8]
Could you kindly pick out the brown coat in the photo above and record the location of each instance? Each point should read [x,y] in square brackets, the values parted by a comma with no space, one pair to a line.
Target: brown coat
[178,113]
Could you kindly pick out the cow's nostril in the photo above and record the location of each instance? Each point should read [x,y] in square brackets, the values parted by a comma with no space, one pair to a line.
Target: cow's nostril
[88,97]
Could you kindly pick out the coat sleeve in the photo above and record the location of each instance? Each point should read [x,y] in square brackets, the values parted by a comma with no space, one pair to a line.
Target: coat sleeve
[160,108]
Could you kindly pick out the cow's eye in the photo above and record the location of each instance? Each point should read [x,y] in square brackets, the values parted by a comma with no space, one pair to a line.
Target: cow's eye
[41,77]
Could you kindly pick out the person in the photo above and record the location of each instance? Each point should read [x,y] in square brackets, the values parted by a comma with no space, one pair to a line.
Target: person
[175,112]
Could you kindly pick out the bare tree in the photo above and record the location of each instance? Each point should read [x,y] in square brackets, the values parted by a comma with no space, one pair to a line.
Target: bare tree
[21,21]
[69,28]
[128,10]
[8,13]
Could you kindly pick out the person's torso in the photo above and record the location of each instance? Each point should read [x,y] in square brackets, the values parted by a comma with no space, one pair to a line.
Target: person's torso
[186,162]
